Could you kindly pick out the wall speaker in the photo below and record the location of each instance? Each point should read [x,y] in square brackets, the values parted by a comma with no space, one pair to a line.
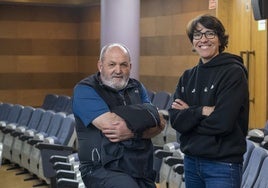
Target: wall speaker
[260,9]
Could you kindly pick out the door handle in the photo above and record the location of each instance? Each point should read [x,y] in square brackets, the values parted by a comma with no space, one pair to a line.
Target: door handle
[247,63]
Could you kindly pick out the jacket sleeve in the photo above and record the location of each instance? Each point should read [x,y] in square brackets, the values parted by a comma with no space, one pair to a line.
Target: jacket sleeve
[138,116]
[184,120]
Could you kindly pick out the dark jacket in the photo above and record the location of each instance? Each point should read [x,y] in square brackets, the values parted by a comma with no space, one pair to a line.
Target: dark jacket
[222,83]
[132,156]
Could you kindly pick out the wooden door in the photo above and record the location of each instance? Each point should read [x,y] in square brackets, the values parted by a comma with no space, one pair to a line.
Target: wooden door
[246,40]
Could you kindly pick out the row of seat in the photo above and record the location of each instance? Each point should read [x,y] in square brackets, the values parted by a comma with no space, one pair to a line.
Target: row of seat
[171,170]
[167,151]
[255,165]
[162,100]
[57,103]
[67,171]
[171,173]
[29,136]
[168,154]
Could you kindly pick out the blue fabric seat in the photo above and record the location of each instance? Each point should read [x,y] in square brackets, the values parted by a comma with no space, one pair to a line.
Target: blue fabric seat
[262,179]
[49,101]
[8,141]
[254,165]
[20,130]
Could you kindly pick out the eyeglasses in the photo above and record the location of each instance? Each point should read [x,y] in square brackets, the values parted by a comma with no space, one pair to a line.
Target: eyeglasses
[208,35]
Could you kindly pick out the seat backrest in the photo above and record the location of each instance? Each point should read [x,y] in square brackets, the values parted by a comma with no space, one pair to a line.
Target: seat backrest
[35,119]
[150,94]
[61,103]
[161,99]
[67,130]
[4,111]
[1,151]
[25,115]
[45,120]
[252,170]
[265,129]
[262,180]
[250,147]
[68,107]
[14,113]
[55,124]
[49,101]
[170,101]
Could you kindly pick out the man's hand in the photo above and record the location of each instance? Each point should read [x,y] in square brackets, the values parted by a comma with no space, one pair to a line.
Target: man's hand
[118,131]
[113,127]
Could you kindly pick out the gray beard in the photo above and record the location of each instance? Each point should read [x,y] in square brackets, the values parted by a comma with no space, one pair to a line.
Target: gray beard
[118,86]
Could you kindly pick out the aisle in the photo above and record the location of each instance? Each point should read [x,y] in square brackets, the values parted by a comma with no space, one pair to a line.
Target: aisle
[9,179]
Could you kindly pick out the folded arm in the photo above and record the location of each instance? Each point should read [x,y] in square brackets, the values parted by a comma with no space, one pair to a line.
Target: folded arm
[130,121]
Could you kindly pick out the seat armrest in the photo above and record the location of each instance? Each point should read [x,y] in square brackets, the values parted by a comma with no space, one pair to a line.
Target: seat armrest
[256,135]
[62,166]
[16,133]
[264,144]
[34,141]
[25,137]
[6,130]
[179,168]
[53,147]
[66,174]
[171,160]
[162,153]
[58,158]
[65,182]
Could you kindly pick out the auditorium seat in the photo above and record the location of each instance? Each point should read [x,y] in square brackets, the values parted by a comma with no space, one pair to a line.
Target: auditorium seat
[12,117]
[61,144]
[29,134]
[49,101]
[254,165]
[163,169]
[250,147]
[61,103]
[264,143]
[176,177]
[257,135]
[4,111]
[67,170]
[1,153]
[8,141]
[161,99]
[52,130]
[150,94]
[262,179]
[20,130]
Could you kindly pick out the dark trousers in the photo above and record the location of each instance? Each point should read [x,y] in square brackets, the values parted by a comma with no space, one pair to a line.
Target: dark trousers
[103,178]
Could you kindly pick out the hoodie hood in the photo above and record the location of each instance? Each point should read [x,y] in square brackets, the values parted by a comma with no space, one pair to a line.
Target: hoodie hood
[223,59]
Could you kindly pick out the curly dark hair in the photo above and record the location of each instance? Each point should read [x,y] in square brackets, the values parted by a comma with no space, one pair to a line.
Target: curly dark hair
[210,22]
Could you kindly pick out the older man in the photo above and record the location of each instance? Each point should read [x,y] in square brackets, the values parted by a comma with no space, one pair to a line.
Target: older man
[115,121]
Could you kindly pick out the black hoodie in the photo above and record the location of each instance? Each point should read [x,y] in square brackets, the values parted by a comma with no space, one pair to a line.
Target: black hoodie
[221,82]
